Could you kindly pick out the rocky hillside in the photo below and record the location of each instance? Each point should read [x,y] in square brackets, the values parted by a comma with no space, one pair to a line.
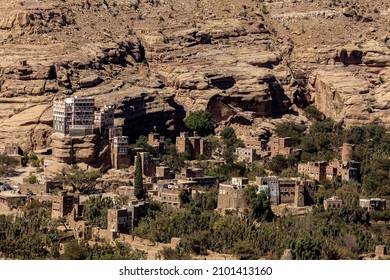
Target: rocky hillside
[250,63]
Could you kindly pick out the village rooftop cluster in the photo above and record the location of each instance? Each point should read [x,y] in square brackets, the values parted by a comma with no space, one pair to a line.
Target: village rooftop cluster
[77,118]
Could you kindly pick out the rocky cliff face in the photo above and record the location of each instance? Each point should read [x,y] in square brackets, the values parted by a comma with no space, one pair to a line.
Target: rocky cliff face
[89,152]
[243,61]
[341,49]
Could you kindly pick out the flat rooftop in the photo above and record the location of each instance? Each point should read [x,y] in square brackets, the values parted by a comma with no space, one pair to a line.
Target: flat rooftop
[11,194]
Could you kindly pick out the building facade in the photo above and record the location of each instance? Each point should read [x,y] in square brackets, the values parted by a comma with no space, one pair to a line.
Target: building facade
[314,170]
[231,195]
[149,164]
[14,151]
[104,120]
[333,203]
[296,191]
[156,141]
[257,144]
[62,205]
[194,146]
[169,195]
[74,116]
[246,155]
[373,204]
[280,146]
[320,170]
[118,220]
[120,152]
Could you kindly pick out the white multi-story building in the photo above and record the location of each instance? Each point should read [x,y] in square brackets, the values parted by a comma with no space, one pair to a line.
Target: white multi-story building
[74,114]
[104,120]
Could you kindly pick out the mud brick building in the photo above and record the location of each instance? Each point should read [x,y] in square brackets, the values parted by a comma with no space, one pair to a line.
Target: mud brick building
[104,120]
[169,195]
[194,146]
[120,152]
[11,198]
[118,220]
[296,191]
[62,204]
[149,164]
[314,170]
[345,169]
[280,146]
[123,220]
[14,151]
[195,177]
[231,195]
[156,141]
[246,155]
[373,204]
[257,144]
[333,203]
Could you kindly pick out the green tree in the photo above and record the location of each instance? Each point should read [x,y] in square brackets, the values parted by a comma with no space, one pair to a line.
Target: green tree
[229,155]
[277,164]
[308,248]
[313,113]
[172,158]
[80,179]
[290,129]
[201,122]
[74,250]
[244,250]
[32,178]
[142,142]
[259,203]
[230,143]
[139,190]
[96,208]
[227,171]
[355,135]
[228,134]
[185,196]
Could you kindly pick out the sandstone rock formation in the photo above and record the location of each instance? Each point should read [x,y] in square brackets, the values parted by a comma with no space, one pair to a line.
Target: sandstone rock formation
[246,62]
[88,152]
[343,58]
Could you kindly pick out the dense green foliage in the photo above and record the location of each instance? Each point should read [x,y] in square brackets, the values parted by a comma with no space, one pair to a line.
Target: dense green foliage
[259,203]
[95,211]
[80,179]
[285,167]
[343,234]
[30,237]
[142,142]
[373,150]
[230,143]
[313,113]
[317,235]
[83,251]
[290,129]
[185,196]
[227,171]
[201,122]
[35,236]
[171,157]
[33,159]
[139,191]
